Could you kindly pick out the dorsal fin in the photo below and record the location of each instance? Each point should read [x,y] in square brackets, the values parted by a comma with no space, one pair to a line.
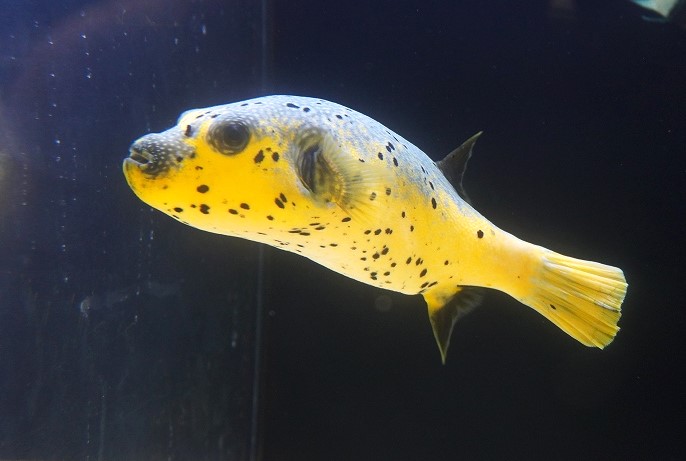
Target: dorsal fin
[446,307]
[454,165]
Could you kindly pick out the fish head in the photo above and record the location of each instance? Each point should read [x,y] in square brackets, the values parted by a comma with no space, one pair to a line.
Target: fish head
[242,160]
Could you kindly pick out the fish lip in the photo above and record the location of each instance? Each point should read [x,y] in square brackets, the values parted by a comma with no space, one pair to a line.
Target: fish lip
[140,157]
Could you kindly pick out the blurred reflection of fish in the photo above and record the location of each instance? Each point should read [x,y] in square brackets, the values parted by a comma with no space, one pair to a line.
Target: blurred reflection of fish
[109,299]
[664,10]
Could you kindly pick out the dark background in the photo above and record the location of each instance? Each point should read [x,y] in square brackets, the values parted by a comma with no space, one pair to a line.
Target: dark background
[584,114]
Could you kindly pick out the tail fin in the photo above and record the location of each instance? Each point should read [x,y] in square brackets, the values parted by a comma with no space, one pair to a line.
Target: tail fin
[583,298]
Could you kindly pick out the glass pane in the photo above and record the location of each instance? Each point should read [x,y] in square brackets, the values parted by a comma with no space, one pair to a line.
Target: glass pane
[123,335]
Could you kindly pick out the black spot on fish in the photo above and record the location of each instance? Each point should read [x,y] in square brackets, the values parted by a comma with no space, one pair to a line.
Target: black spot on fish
[198,168]
[394,264]
[480,234]
[402,214]
[553,307]
[279,203]
[389,231]
[193,205]
[432,185]
[232,211]
[188,132]
[387,273]
[409,260]
[380,155]
[446,262]
[363,258]
[384,251]
[388,191]
[292,106]
[339,117]
[411,228]
[424,285]
[275,156]
[179,159]
[346,219]
[419,261]
[395,161]
[367,232]
[423,272]
[178,209]
[361,160]
[202,188]
[320,228]
[270,217]
[259,157]
[333,244]
[372,196]
[306,109]
[433,284]
[377,232]
[376,256]
[204,209]
[283,198]
[433,203]
[372,275]
[245,206]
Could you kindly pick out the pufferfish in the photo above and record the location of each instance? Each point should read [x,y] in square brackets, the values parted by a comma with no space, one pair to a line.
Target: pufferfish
[319,179]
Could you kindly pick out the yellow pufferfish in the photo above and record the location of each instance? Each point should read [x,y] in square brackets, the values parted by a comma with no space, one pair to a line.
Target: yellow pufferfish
[316,178]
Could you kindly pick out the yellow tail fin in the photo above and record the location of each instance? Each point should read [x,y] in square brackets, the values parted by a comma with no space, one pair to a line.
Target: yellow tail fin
[583,298]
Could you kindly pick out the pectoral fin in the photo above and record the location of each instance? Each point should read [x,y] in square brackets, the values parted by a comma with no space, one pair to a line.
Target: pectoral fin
[333,176]
[446,308]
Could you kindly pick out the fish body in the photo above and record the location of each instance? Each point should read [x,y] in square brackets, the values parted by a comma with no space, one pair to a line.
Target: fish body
[316,178]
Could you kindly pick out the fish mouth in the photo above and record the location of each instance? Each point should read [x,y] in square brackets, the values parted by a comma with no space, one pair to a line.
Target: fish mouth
[141,157]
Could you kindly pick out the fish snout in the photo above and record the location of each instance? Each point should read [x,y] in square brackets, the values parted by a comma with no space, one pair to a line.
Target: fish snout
[155,153]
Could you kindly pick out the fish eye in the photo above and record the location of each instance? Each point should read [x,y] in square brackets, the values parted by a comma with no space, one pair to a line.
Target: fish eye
[229,138]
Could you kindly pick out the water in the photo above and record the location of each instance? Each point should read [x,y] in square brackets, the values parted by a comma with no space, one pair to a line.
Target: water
[126,336]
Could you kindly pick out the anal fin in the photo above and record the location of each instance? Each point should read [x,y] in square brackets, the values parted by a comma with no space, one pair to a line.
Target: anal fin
[446,308]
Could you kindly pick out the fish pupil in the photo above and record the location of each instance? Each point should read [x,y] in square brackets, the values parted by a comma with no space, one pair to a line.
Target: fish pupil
[229,138]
